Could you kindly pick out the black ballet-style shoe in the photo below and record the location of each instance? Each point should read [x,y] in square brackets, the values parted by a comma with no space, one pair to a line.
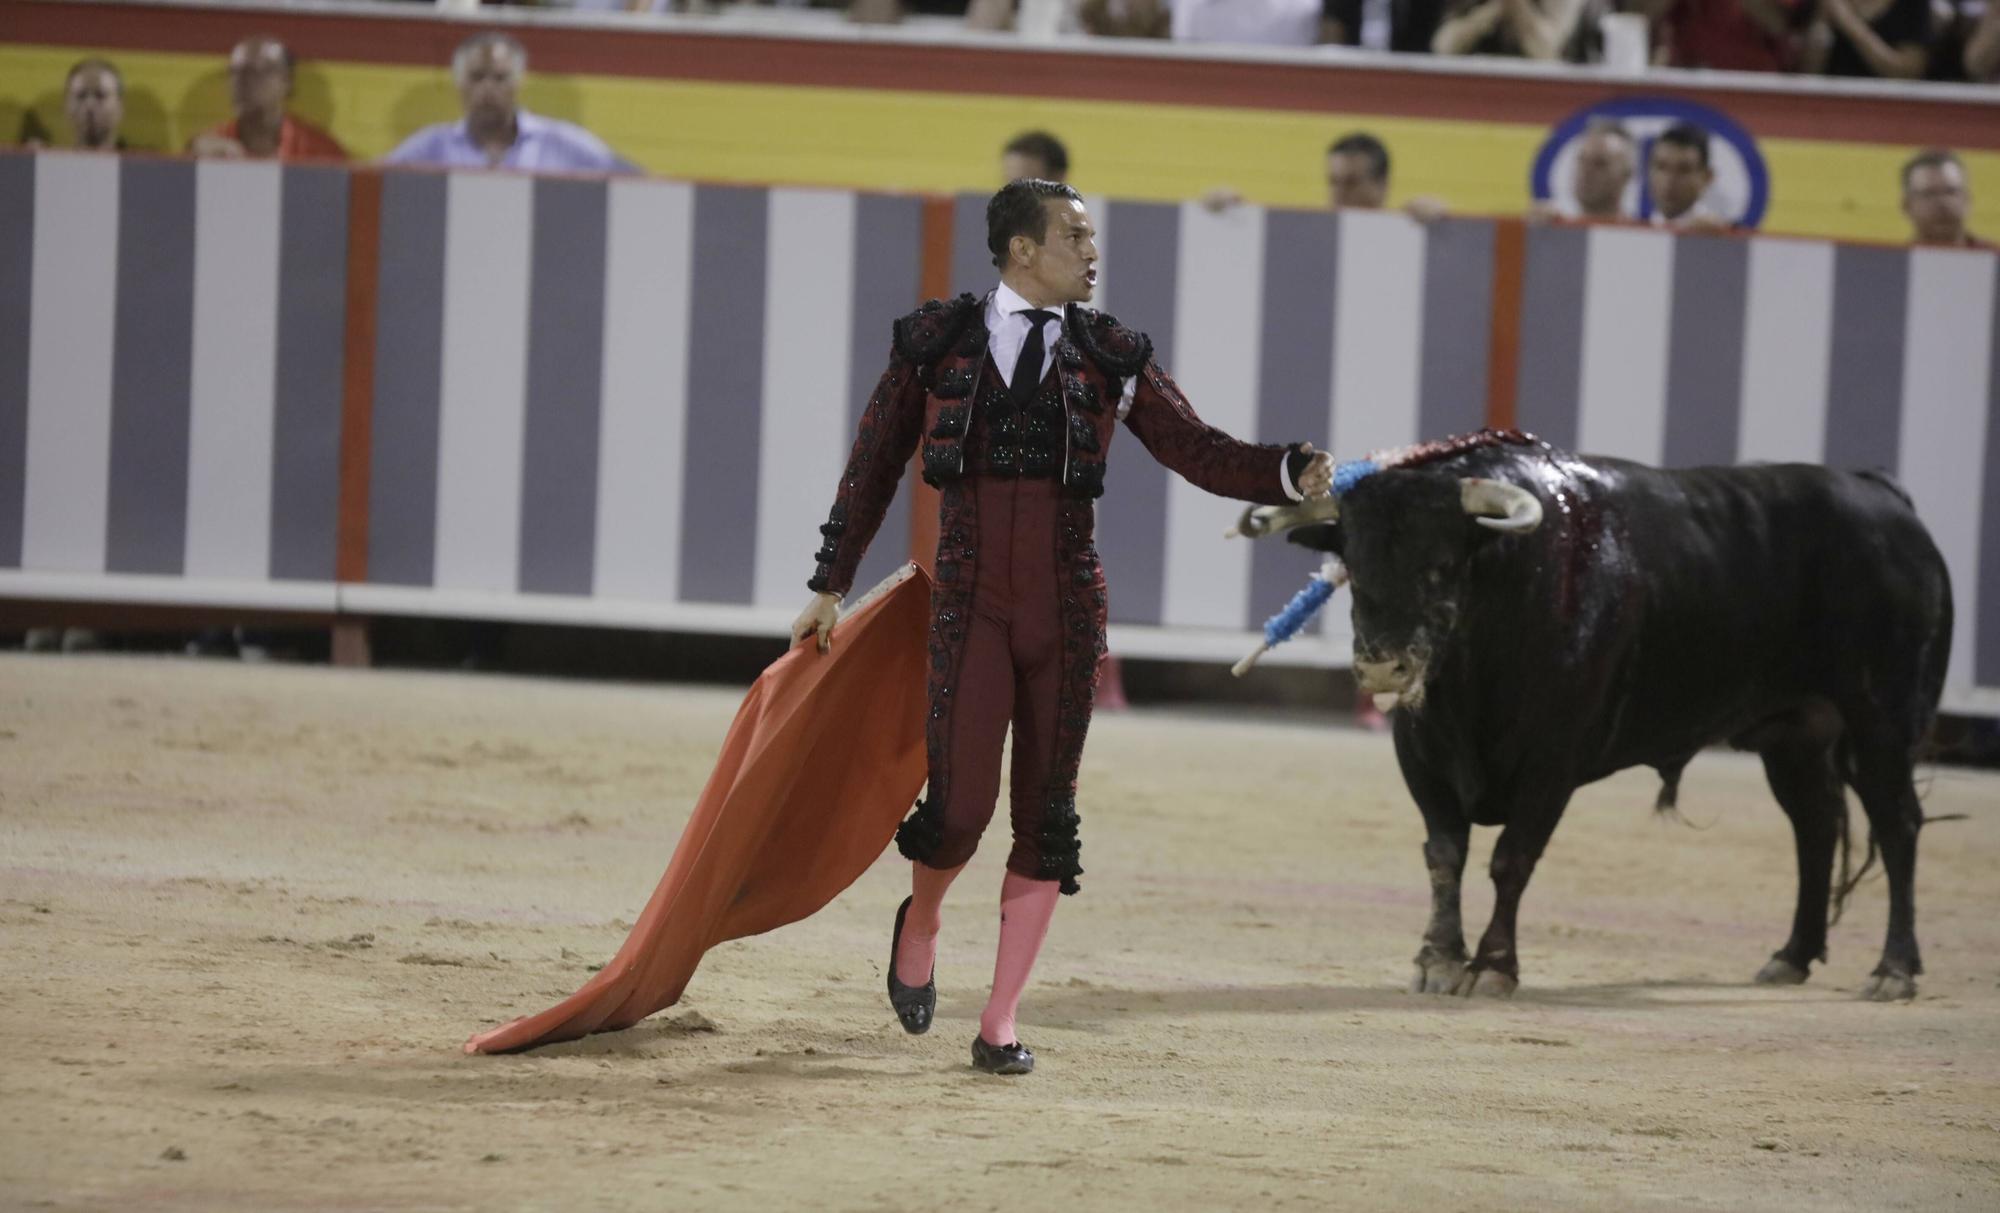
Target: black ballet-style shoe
[1002,1059]
[914,1004]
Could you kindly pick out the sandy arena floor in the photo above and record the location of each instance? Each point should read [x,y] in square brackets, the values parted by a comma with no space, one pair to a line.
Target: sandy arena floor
[248,914]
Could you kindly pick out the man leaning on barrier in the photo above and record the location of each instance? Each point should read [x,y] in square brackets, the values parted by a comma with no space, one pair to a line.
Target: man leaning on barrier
[262,73]
[497,131]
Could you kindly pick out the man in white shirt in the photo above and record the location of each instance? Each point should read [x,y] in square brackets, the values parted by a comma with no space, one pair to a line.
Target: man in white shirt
[1013,399]
[497,131]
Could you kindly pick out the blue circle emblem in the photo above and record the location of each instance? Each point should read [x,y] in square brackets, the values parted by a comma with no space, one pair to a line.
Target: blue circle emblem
[1742,189]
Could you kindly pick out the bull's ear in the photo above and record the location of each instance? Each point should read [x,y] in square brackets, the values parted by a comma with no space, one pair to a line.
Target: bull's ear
[1320,537]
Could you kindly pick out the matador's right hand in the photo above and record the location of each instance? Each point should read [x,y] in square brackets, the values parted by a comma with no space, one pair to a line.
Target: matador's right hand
[818,618]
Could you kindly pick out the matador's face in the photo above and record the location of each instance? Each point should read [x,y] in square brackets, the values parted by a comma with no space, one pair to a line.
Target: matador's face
[1064,265]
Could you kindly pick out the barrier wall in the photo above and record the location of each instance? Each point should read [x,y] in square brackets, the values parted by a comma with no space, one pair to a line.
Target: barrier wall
[628,402]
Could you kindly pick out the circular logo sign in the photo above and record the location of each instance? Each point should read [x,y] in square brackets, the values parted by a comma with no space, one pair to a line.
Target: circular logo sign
[1742,187]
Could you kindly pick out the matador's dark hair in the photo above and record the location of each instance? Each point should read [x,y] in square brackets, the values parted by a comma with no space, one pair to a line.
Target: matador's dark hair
[1019,210]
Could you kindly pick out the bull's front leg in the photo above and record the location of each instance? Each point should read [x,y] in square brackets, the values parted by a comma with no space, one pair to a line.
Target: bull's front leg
[1442,959]
[1447,834]
[1496,968]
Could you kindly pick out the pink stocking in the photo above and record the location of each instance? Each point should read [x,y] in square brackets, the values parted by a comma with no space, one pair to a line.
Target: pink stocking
[1025,909]
[917,954]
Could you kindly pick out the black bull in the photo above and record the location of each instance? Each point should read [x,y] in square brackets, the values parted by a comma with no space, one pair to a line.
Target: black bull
[1793,610]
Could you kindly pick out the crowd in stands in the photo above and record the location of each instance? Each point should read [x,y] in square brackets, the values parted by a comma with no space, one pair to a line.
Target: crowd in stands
[496,131]
[499,133]
[1897,39]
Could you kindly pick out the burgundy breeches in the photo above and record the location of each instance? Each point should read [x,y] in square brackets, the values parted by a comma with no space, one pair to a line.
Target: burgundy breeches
[1011,672]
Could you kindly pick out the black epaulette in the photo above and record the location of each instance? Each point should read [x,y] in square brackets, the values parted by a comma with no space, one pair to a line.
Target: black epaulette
[1118,351]
[924,336]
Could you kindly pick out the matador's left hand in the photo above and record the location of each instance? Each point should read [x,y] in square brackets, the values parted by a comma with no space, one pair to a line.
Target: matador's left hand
[1317,479]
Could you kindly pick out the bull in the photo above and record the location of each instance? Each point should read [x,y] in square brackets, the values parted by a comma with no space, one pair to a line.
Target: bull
[1602,615]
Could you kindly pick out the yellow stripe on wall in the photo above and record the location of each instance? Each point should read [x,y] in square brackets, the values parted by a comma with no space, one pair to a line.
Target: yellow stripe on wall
[873,139]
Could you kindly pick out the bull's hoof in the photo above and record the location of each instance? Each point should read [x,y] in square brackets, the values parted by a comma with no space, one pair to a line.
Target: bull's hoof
[1486,983]
[1889,987]
[1436,973]
[1778,971]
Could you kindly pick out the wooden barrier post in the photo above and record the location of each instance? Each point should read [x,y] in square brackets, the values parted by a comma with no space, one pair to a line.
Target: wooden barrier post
[1503,356]
[357,404]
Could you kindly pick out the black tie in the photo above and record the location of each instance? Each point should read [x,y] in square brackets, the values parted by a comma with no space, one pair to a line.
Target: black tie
[1028,367]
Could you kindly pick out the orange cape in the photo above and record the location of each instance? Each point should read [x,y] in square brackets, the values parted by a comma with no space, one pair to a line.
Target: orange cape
[823,760]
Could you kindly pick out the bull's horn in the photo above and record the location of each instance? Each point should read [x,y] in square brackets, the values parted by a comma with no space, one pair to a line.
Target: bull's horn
[1261,520]
[1504,507]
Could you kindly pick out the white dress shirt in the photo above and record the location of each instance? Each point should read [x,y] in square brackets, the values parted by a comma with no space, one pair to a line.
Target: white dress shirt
[1007,327]
[1007,331]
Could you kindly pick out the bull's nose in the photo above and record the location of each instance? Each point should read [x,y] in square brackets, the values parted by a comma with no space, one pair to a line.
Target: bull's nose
[1375,676]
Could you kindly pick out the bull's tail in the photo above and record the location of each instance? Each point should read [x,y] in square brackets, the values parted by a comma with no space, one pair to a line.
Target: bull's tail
[1667,804]
[1928,753]
[1849,876]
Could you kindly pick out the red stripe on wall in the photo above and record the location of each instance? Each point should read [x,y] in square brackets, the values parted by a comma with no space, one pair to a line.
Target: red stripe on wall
[357,403]
[1503,364]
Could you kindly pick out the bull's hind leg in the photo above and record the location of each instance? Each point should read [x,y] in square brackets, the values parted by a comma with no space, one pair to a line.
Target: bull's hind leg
[1807,785]
[1496,968]
[1883,778]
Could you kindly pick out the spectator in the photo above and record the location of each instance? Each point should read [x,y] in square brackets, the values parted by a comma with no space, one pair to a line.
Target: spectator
[261,74]
[1982,49]
[1357,178]
[94,102]
[1357,172]
[1887,38]
[1531,29]
[1935,199]
[496,132]
[1034,154]
[1678,174]
[1383,25]
[1606,159]
[1727,35]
